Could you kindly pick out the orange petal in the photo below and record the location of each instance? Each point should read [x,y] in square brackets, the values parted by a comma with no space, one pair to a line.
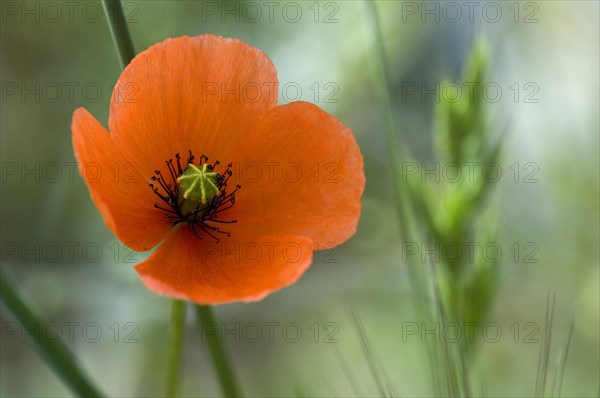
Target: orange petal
[301,173]
[244,267]
[199,93]
[117,188]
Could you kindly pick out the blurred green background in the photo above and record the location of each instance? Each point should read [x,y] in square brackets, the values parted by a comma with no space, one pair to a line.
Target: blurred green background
[56,57]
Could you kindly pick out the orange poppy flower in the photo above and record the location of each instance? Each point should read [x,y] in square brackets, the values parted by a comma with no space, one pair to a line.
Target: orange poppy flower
[236,191]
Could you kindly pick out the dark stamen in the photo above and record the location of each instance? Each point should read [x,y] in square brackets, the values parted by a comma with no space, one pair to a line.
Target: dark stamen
[180,171]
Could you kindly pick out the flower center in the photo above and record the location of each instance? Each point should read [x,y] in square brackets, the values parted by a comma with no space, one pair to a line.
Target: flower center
[196,195]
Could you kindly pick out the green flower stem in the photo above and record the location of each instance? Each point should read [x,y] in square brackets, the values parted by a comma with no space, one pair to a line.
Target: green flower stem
[397,156]
[174,344]
[395,152]
[224,370]
[119,31]
[54,352]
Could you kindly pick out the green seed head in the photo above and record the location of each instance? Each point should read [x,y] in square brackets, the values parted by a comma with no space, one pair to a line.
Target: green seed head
[198,184]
